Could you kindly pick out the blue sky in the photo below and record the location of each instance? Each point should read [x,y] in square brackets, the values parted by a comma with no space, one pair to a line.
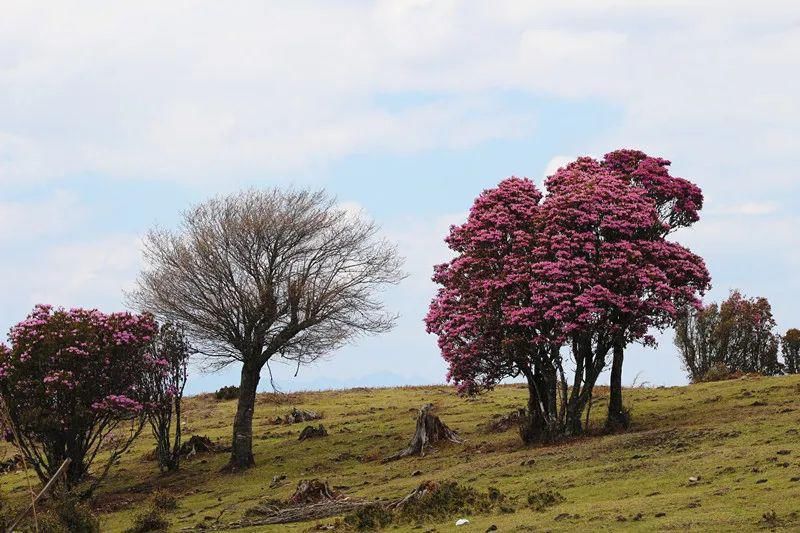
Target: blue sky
[115,118]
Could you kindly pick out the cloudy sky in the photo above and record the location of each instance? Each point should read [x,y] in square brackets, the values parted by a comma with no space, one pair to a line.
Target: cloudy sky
[116,116]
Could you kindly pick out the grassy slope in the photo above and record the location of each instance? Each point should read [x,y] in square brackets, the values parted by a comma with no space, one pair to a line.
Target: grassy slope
[732,435]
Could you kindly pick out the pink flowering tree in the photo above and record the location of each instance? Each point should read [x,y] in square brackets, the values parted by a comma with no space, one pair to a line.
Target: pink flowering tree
[170,351]
[70,388]
[537,281]
[606,274]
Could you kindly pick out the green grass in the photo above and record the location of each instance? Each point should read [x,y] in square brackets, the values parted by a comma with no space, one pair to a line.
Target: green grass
[739,437]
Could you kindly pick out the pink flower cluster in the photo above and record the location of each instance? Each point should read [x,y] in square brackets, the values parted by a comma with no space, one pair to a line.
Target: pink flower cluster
[64,362]
[117,402]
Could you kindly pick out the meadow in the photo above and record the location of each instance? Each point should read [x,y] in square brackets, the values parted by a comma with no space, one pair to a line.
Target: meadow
[719,456]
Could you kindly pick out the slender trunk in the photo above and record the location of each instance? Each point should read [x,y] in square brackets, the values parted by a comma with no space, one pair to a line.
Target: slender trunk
[582,353]
[176,447]
[242,446]
[617,416]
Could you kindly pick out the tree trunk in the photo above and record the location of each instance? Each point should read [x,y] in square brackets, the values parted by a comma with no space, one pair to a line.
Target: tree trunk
[618,417]
[242,445]
[541,419]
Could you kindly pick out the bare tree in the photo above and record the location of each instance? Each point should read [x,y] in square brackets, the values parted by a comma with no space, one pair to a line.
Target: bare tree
[268,274]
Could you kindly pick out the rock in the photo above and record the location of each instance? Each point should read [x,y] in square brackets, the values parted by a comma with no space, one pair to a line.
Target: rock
[276,481]
[311,432]
[462,522]
[491,528]
[502,423]
[661,515]
[761,481]
[416,473]
[694,479]
[296,416]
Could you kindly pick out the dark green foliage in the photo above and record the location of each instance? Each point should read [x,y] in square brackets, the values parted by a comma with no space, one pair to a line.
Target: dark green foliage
[541,500]
[227,393]
[149,520]
[68,515]
[369,518]
[430,502]
[446,500]
[790,347]
[164,501]
[737,335]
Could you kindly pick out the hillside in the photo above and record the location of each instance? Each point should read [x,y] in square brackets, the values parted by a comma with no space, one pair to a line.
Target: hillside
[739,438]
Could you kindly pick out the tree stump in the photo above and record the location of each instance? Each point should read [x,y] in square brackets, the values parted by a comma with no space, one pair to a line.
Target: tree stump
[502,423]
[430,430]
[196,445]
[311,432]
[313,491]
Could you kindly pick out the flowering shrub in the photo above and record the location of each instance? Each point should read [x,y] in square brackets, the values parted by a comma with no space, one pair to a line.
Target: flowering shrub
[69,384]
[169,351]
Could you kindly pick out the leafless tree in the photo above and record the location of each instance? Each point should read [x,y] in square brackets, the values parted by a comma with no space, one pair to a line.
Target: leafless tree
[270,274]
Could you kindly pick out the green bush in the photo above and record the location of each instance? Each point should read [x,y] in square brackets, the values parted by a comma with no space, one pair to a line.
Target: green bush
[369,518]
[148,521]
[717,372]
[68,515]
[227,393]
[540,500]
[445,500]
[164,501]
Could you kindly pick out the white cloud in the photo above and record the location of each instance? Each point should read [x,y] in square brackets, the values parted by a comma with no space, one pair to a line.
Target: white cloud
[211,91]
[87,274]
[25,220]
[748,209]
[557,162]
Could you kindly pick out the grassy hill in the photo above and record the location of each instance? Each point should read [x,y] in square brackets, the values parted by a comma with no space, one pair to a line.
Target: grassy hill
[739,438]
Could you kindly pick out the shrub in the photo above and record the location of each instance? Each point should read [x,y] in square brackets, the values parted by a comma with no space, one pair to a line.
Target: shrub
[164,501]
[149,520]
[369,518]
[68,515]
[171,349]
[70,382]
[540,500]
[227,393]
[430,502]
[446,500]
[717,372]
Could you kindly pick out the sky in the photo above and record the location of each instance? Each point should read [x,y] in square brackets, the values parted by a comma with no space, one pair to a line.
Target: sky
[116,116]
